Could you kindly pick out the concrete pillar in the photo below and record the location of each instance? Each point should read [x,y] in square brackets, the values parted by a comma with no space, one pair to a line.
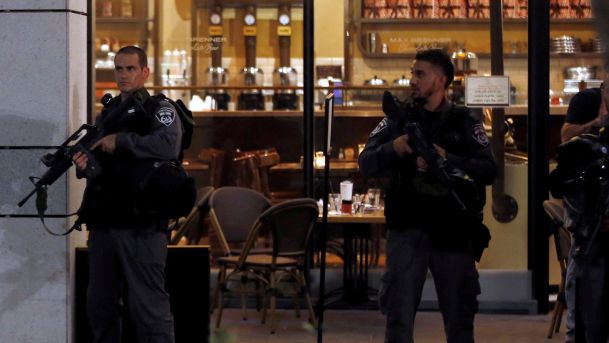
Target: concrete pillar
[43,87]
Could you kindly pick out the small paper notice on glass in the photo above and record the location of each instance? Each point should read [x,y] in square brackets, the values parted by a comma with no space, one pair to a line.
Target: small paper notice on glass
[487,91]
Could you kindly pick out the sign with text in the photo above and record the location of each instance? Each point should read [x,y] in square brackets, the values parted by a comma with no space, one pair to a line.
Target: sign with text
[487,91]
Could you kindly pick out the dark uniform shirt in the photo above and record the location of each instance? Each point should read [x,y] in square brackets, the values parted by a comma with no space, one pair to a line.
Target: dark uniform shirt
[147,131]
[409,203]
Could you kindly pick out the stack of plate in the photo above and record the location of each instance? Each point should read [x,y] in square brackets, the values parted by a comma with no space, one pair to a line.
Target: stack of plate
[580,73]
[597,46]
[572,86]
[565,45]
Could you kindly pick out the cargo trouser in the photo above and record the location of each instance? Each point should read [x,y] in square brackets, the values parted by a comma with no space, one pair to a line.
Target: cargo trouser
[570,296]
[409,255]
[127,266]
[592,300]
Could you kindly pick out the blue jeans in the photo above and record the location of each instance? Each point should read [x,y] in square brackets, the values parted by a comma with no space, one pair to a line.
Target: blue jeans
[570,297]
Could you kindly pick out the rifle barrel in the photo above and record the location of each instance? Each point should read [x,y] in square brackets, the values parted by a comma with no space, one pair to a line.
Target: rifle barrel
[22,202]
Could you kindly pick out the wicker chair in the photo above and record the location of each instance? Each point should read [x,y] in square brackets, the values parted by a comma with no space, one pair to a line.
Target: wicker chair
[562,242]
[291,223]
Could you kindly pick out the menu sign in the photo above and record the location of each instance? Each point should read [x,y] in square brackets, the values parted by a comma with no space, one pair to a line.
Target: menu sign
[487,91]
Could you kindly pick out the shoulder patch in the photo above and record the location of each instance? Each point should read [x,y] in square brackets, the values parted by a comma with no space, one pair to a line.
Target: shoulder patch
[379,128]
[166,115]
[479,135]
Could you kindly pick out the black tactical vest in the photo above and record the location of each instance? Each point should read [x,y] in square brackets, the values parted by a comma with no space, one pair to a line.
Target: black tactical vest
[110,198]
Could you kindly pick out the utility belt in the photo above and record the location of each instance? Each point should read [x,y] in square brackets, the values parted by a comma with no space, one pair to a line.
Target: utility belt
[451,227]
[152,190]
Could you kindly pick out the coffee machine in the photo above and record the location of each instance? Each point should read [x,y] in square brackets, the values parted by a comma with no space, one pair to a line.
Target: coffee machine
[251,99]
[216,75]
[466,63]
[284,99]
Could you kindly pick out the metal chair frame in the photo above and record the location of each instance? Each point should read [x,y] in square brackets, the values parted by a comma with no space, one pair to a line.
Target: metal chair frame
[270,269]
[562,242]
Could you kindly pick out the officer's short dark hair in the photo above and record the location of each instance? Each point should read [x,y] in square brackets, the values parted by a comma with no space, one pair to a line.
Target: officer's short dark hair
[135,50]
[438,58]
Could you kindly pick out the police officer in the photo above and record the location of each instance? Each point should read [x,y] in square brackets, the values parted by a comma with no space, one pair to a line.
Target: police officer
[582,180]
[426,226]
[127,250]
[587,113]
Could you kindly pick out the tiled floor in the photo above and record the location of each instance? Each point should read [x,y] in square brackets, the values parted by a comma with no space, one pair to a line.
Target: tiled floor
[368,326]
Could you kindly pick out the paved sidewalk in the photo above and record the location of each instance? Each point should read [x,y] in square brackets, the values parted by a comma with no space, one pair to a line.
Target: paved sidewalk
[351,326]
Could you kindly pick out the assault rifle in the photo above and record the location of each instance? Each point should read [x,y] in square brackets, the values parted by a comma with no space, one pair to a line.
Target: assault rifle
[60,161]
[400,113]
[436,164]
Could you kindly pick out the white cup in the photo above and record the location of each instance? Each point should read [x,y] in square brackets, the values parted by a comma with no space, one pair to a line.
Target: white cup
[346,190]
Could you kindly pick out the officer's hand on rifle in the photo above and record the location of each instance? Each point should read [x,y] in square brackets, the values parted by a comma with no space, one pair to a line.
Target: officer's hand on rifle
[422,165]
[440,151]
[80,160]
[107,144]
[400,145]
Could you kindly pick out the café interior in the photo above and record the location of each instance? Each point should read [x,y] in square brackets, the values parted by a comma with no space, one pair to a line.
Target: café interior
[256,76]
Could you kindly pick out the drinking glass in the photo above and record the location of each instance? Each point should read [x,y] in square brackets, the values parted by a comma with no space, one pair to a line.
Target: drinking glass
[374,197]
[335,202]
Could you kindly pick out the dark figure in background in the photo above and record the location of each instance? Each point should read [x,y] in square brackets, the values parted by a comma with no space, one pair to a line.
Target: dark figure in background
[588,111]
[127,251]
[426,227]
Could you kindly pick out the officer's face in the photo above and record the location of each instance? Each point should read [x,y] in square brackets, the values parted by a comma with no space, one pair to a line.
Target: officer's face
[128,73]
[425,79]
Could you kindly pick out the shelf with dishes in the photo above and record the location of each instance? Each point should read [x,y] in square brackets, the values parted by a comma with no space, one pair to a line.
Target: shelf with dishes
[358,101]
[266,100]
[401,38]
[469,21]
[506,55]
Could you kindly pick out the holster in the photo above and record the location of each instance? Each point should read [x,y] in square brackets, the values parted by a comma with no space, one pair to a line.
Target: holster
[480,239]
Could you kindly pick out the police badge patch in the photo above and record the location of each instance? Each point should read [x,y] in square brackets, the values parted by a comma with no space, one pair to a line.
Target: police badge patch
[380,127]
[166,115]
[480,135]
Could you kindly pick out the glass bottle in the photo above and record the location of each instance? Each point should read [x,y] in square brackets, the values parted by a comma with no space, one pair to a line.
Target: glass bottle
[126,8]
[107,8]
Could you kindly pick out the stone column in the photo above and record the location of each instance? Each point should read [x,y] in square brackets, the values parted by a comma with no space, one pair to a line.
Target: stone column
[43,89]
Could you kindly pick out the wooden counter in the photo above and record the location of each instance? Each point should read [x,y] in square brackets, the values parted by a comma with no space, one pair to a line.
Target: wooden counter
[372,217]
[337,166]
[516,110]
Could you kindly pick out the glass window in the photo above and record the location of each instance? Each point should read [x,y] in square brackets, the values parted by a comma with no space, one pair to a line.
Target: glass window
[239,68]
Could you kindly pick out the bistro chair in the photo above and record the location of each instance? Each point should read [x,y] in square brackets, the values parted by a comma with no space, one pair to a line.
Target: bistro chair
[214,158]
[291,223]
[246,167]
[191,227]
[246,173]
[233,211]
[264,162]
[252,169]
[562,241]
